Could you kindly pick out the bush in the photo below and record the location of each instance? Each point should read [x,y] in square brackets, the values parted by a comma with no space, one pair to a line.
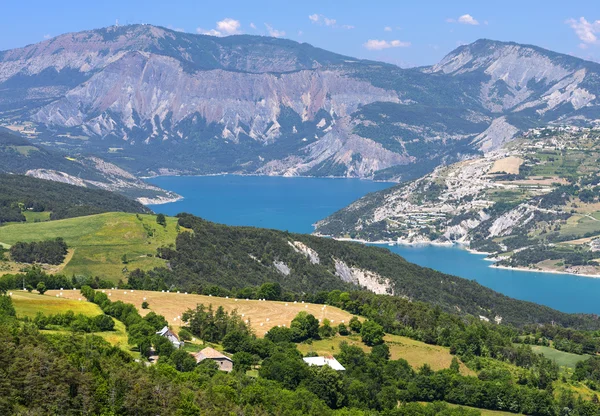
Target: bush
[145,305]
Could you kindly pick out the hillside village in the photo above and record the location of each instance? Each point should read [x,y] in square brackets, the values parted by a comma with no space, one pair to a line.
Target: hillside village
[541,189]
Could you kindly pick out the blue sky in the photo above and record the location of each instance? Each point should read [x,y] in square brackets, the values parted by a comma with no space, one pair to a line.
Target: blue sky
[407,33]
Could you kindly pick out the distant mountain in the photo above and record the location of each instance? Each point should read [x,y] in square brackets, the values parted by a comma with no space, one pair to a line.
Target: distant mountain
[22,157]
[157,101]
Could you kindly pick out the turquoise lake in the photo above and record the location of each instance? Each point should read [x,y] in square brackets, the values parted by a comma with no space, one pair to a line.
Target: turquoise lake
[294,204]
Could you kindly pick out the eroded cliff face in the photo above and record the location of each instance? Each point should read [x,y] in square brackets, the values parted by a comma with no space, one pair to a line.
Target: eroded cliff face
[153,88]
[154,100]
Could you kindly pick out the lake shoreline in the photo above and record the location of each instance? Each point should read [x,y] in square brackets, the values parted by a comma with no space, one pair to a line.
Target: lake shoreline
[462,247]
[209,175]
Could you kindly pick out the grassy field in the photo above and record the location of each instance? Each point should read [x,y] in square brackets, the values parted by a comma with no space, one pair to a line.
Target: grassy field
[563,359]
[416,353]
[28,304]
[31,216]
[484,412]
[100,241]
[262,315]
[580,225]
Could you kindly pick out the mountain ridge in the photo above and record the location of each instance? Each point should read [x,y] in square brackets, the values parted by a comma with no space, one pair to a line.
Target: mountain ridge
[156,101]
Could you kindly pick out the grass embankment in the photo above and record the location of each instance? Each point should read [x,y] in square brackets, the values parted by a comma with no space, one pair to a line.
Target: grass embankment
[262,315]
[100,241]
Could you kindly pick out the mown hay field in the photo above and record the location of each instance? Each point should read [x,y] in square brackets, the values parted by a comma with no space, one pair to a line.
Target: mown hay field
[262,315]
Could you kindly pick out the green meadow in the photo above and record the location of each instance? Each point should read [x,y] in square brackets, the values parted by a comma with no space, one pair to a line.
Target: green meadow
[99,242]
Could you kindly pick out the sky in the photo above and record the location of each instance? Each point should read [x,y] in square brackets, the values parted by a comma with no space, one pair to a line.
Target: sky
[406,33]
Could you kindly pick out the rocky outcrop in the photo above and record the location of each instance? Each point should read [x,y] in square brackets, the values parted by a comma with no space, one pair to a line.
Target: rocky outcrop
[364,278]
[300,247]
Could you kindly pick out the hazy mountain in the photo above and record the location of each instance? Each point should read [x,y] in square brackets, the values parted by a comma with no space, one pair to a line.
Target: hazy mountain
[154,100]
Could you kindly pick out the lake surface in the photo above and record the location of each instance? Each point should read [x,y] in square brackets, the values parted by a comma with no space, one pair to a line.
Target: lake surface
[294,204]
[291,204]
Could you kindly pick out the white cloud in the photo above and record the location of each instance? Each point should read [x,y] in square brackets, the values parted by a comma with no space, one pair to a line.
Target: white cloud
[321,20]
[465,19]
[225,27]
[585,31]
[377,44]
[252,25]
[274,32]
[329,22]
[300,33]
[387,29]
[47,36]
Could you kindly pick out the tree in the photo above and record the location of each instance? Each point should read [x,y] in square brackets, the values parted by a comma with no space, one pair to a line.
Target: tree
[304,326]
[124,259]
[145,305]
[269,291]
[41,288]
[355,324]
[185,335]
[455,365]
[371,333]
[326,330]
[29,288]
[242,361]
[104,323]
[182,360]
[327,384]
[343,329]
[6,306]
[161,220]
[287,369]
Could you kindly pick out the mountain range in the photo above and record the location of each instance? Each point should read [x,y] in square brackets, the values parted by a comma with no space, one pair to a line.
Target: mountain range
[156,101]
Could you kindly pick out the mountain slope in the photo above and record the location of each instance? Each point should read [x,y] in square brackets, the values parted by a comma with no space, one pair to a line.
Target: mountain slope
[23,157]
[532,203]
[22,194]
[217,255]
[158,101]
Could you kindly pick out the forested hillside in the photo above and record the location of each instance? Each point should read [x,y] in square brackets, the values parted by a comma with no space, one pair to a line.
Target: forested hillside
[233,258]
[21,194]
[21,156]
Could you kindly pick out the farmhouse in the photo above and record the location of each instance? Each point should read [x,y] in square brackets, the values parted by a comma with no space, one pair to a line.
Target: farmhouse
[225,363]
[170,335]
[321,361]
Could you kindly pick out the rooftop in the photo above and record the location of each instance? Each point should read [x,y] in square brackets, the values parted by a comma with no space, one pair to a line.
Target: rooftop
[321,361]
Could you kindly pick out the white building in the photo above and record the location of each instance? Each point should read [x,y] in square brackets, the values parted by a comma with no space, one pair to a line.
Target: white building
[170,335]
[321,361]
